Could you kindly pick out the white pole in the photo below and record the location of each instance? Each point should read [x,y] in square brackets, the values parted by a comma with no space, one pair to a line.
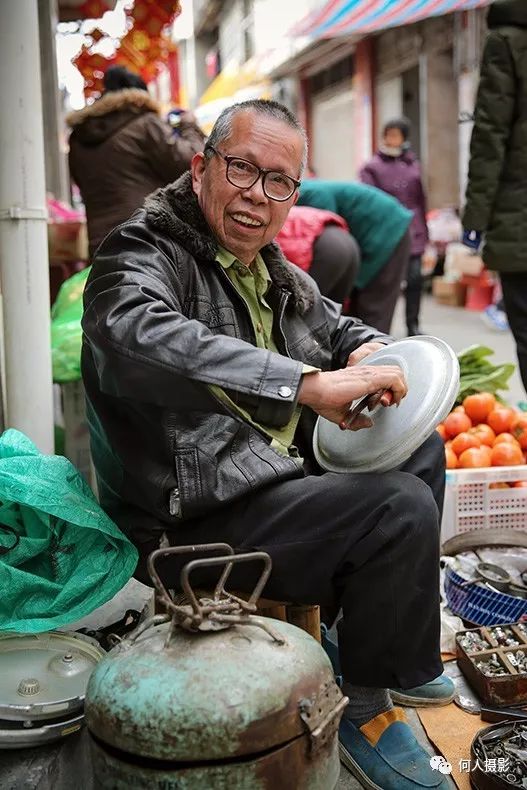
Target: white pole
[23,230]
[56,167]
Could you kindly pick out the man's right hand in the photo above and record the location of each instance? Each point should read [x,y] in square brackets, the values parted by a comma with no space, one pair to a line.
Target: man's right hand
[331,393]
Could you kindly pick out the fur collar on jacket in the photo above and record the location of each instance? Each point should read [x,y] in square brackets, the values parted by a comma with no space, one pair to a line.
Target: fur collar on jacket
[126,99]
[175,210]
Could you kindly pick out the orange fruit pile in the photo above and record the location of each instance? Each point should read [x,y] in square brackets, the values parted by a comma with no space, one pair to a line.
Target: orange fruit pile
[482,433]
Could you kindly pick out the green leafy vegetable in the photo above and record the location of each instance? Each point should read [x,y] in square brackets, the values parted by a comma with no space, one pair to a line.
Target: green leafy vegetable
[477,374]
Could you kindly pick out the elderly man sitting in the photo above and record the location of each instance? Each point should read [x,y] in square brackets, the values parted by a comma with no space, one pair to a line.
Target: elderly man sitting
[207,357]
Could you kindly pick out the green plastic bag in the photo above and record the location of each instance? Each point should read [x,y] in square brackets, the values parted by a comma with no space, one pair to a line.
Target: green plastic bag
[69,557]
[66,332]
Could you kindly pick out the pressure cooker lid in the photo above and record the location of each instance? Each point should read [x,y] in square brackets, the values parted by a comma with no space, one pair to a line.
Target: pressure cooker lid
[43,676]
[431,369]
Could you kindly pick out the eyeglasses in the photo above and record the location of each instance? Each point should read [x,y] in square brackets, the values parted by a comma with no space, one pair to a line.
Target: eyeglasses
[244,174]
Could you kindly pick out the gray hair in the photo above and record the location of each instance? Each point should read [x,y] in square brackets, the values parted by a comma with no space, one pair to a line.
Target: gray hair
[222,129]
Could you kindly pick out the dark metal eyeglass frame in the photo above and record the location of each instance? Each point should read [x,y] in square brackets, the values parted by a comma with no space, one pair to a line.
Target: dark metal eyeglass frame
[262,173]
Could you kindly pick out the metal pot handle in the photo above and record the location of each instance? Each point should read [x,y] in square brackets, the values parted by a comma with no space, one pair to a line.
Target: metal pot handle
[164,596]
[223,609]
[237,559]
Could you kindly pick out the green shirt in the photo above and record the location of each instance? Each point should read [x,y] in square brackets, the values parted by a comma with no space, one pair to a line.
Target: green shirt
[252,284]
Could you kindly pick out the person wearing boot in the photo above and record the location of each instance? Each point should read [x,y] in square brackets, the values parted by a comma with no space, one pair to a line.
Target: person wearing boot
[496,198]
[396,170]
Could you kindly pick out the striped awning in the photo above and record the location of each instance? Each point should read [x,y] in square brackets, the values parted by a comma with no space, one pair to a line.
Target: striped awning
[348,17]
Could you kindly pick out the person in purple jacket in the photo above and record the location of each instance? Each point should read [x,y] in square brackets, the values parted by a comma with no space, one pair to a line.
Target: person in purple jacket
[396,170]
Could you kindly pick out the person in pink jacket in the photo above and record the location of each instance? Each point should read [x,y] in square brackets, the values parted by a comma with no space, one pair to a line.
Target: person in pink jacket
[396,170]
[319,242]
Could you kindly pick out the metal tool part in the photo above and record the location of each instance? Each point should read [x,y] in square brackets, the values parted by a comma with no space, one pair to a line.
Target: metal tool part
[504,636]
[478,538]
[494,575]
[491,666]
[472,641]
[465,697]
[370,402]
[500,755]
[522,626]
[109,635]
[518,659]
[496,715]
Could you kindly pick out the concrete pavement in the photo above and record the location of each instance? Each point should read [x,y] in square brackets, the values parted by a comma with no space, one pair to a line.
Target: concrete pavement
[461,328]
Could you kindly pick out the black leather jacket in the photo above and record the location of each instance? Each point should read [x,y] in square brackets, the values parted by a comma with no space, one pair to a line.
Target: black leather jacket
[161,322]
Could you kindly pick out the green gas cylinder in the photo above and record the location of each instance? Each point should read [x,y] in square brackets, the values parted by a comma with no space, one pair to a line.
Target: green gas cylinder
[211,696]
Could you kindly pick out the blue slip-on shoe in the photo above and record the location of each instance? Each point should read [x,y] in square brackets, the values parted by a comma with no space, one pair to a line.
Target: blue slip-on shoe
[384,754]
[440,691]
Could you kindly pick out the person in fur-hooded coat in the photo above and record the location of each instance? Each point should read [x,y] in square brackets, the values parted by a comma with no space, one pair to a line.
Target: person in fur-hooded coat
[121,150]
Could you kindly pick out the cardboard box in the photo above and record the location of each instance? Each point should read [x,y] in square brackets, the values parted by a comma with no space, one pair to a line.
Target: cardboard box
[448,292]
[460,260]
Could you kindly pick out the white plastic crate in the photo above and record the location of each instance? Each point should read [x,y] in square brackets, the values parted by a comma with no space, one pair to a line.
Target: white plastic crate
[470,503]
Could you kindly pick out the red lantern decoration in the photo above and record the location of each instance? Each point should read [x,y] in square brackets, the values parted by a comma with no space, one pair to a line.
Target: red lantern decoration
[143,49]
[173,70]
[144,12]
[139,40]
[93,9]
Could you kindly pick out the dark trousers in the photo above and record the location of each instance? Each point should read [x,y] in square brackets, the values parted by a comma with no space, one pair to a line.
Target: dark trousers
[375,304]
[336,261]
[414,288]
[514,287]
[366,543]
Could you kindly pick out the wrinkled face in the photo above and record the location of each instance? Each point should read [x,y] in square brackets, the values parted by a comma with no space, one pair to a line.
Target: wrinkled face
[393,138]
[245,220]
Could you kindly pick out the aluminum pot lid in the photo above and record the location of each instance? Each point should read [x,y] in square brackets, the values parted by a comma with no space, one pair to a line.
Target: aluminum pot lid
[44,675]
[431,369]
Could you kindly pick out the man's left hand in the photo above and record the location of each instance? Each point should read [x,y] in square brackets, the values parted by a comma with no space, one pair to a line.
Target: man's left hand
[363,351]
